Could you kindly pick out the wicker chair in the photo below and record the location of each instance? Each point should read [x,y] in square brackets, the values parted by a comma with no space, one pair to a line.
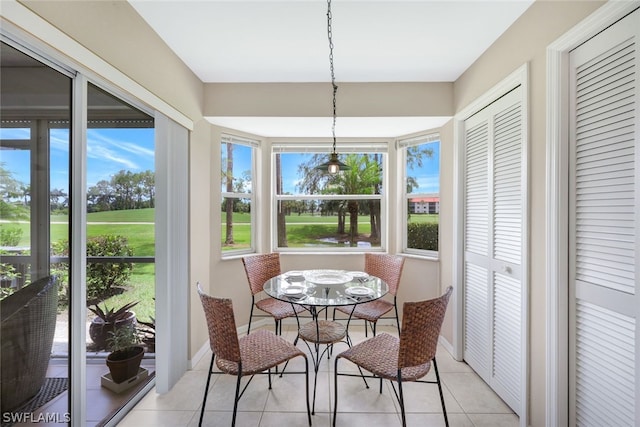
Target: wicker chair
[249,355]
[407,358]
[388,268]
[28,324]
[259,269]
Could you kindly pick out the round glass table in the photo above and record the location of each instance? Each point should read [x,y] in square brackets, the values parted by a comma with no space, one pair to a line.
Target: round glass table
[325,288]
[317,291]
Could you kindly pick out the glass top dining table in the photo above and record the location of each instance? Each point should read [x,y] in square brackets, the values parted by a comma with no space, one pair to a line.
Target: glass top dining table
[326,288]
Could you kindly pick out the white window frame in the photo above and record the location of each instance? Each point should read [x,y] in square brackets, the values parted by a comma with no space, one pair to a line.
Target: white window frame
[381,148]
[402,146]
[254,145]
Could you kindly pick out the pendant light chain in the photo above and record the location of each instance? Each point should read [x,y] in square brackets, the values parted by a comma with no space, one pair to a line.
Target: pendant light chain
[333,77]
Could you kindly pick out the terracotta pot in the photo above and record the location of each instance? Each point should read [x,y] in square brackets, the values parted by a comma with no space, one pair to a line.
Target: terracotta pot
[124,364]
[99,330]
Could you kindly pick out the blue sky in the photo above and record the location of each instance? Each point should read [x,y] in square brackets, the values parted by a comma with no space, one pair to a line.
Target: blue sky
[108,152]
[132,149]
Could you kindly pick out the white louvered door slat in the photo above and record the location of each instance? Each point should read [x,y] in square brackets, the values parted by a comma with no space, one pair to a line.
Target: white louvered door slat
[493,245]
[603,222]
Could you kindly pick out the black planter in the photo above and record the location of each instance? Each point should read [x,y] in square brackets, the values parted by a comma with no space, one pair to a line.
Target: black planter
[124,364]
[100,331]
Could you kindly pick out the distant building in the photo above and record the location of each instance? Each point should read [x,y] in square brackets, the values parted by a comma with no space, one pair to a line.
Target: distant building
[429,205]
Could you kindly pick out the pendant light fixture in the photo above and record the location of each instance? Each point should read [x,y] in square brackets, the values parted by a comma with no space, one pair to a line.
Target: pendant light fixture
[333,166]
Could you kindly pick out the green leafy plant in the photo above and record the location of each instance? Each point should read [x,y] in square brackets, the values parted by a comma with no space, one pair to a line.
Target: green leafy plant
[112,315]
[102,277]
[422,236]
[8,272]
[10,236]
[123,339]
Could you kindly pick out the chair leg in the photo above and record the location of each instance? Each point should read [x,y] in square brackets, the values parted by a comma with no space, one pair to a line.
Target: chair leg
[444,409]
[206,390]
[250,317]
[306,374]
[237,397]
[401,399]
[395,306]
[335,385]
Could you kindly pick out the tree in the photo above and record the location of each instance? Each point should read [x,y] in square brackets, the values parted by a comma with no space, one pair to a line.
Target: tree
[26,193]
[148,180]
[282,224]
[54,196]
[228,178]
[415,156]
[362,178]
[100,197]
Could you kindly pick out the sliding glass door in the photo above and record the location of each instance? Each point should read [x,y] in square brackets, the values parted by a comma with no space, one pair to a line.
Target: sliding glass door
[40,323]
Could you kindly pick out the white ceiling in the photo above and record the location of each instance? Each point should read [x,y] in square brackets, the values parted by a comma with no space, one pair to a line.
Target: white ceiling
[286,41]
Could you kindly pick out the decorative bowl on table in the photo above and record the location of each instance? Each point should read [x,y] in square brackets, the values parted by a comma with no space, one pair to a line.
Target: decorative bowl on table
[327,277]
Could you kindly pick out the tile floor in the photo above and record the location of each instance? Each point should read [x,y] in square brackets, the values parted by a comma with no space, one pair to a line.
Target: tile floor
[470,402]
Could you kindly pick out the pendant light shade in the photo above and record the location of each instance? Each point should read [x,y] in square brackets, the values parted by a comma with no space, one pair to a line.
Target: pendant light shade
[333,166]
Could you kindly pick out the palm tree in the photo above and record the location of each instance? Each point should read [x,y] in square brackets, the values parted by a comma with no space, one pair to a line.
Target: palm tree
[228,177]
[362,178]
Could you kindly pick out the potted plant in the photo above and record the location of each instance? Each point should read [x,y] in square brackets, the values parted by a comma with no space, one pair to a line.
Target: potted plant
[126,355]
[108,320]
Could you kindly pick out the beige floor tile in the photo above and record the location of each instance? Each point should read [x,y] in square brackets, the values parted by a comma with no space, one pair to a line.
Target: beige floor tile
[186,395]
[495,420]
[282,419]
[223,419]
[473,394]
[437,420]
[367,419]
[145,418]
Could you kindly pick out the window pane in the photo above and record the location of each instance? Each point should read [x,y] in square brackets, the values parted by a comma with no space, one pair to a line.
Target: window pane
[236,224]
[297,174]
[329,223]
[423,195]
[237,161]
[236,172]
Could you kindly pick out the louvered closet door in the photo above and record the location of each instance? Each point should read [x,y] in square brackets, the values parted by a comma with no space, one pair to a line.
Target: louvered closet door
[603,223]
[493,233]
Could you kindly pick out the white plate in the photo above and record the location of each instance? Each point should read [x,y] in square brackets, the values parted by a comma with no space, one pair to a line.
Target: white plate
[293,273]
[327,277]
[358,274]
[358,291]
[294,290]
[293,276]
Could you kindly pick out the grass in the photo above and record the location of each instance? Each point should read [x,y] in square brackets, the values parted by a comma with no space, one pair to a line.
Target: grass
[306,230]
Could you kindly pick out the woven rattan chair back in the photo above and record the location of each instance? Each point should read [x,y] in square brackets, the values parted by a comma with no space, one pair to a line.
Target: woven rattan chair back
[223,336]
[385,266]
[421,323]
[260,268]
